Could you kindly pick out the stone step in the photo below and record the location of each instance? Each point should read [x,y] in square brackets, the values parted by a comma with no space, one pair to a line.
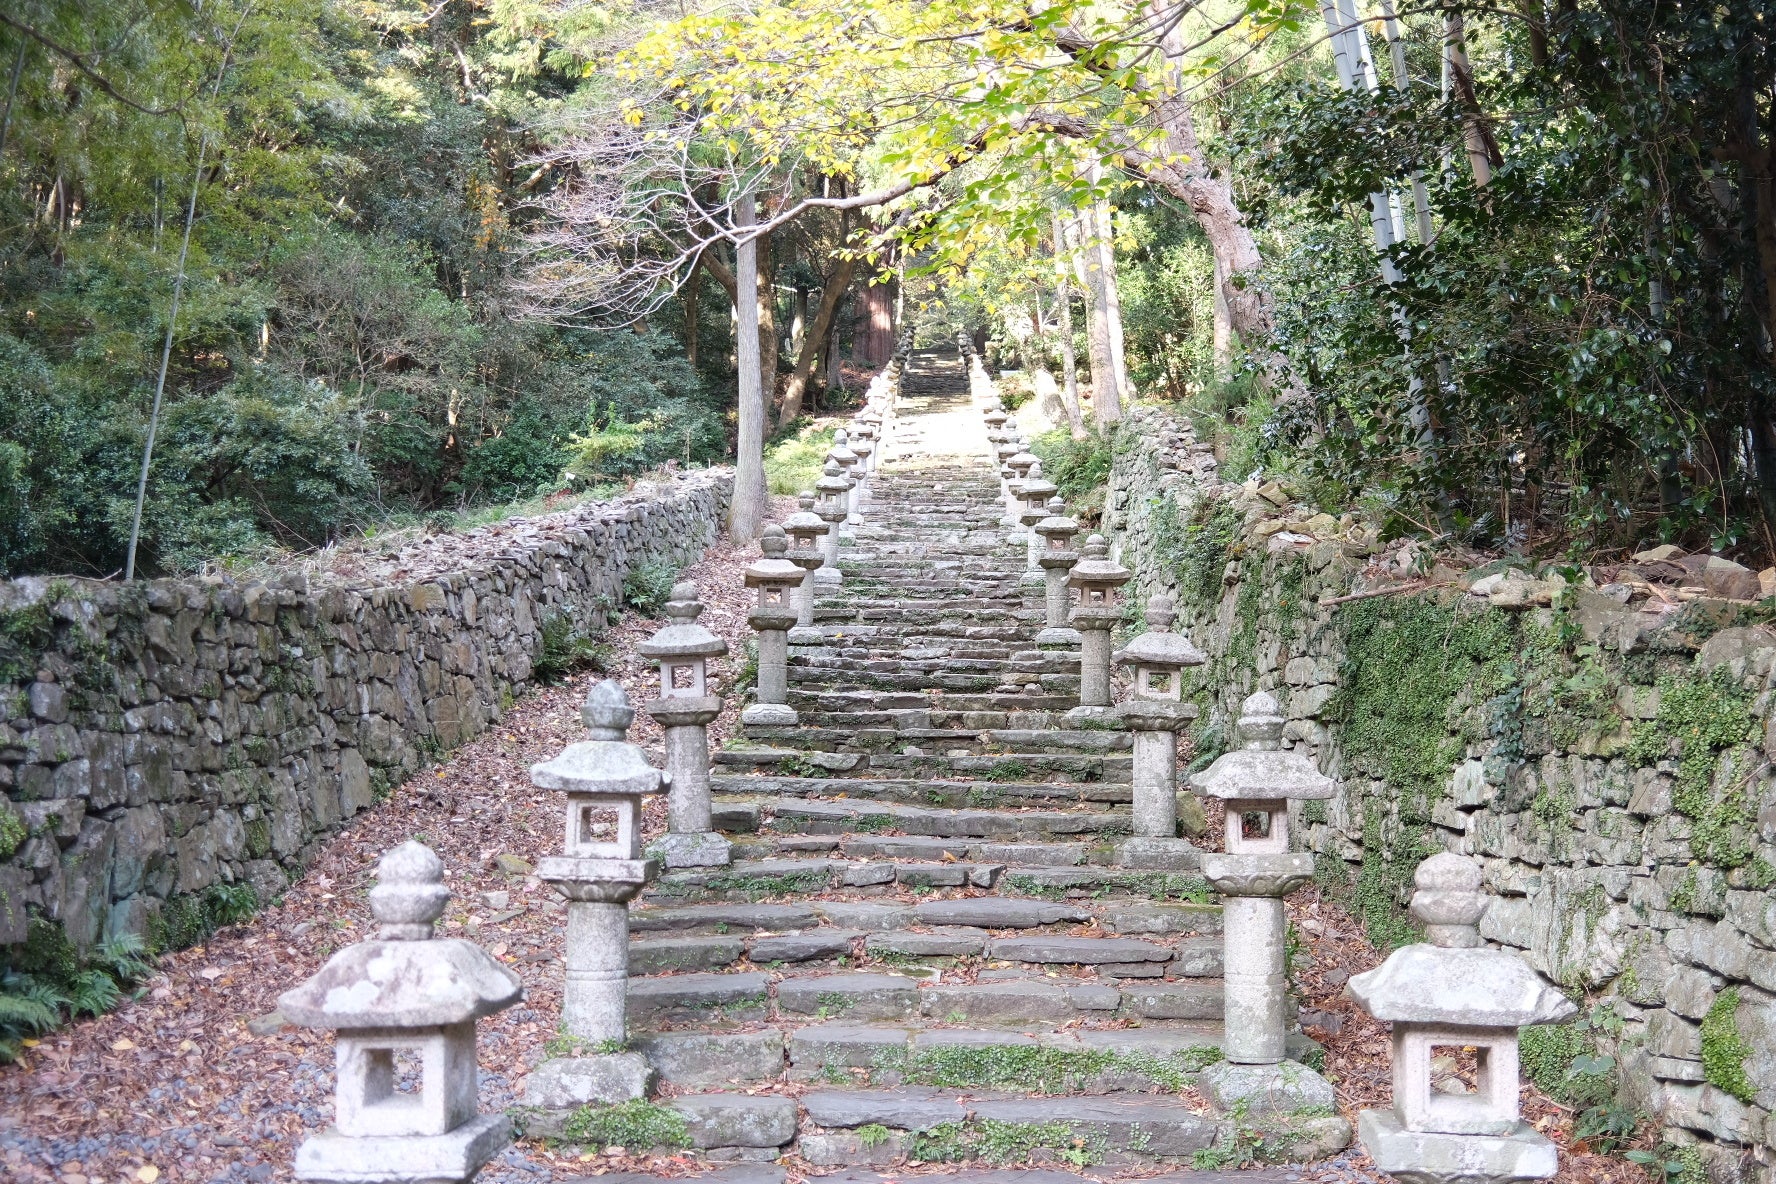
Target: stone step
[787,815]
[966,767]
[921,847]
[713,997]
[989,738]
[991,913]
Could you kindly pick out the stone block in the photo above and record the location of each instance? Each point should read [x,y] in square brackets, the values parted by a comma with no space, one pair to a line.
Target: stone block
[1424,1158]
[737,1120]
[697,1060]
[568,1082]
[851,996]
[1284,1088]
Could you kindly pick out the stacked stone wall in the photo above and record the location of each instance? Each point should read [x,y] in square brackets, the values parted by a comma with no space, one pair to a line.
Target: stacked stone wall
[160,738]
[1609,766]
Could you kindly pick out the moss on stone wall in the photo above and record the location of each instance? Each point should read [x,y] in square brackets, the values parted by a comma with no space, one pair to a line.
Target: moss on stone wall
[1724,1050]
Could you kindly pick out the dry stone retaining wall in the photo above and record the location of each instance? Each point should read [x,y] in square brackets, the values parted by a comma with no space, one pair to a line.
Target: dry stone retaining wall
[162,737]
[1533,728]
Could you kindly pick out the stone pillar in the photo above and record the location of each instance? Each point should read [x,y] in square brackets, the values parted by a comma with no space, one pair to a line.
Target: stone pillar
[404,991]
[1257,783]
[851,467]
[1452,992]
[1098,612]
[1155,711]
[776,579]
[1056,559]
[599,872]
[1035,493]
[807,534]
[683,711]
[832,507]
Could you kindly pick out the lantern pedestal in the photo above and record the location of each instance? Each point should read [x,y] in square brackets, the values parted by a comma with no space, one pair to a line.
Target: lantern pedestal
[1427,1157]
[1252,888]
[776,579]
[455,1155]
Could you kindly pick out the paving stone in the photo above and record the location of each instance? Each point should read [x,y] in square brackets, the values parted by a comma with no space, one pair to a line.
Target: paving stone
[988,1002]
[737,1120]
[866,915]
[904,847]
[908,1108]
[844,1046]
[1152,1126]
[658,955]
[851,996]
[954,941]
[997,912]
[1194,1000]
[697,1060]
[802,947]
[649,997]
[1162,918]
[1086,951]
[1287,1088]
[774,917]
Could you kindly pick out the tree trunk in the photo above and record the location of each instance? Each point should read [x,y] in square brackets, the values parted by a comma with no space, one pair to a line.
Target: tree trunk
[747,509]
[798,321]
[1221,352]
[819,332]
[692,308]
[767,325]
[1069,363]
[1184,173]
[834,374]
[1483,153]
[1106,239]
[1106,398]
[875,326]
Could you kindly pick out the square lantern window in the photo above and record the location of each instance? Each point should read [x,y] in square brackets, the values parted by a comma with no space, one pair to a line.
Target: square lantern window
[1455,1080]
[682,678]
[603,826]
[773,595]
[1159,683]
[405,1082]
[1257,826]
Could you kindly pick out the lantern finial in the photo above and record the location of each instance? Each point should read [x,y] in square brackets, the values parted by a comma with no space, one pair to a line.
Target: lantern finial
[1261,722]
[606,712]
[773,542]
[409,895]
[1449,901]
[1159,614]
[683,605]
[805,499]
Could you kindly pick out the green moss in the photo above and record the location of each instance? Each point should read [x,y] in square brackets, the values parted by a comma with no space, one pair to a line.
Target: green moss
[1700,717]
[637,1125]
[259,838]
[13,831]
[1196,547]
[1564,1062]
[1044,1070]
[1008,771]
[185,921]
[25,634]
[755,887]
[872,823]
[1002,1142]
[1724,1050]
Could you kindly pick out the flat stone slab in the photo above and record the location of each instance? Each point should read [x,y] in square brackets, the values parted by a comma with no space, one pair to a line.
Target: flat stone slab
[1034,854]
[990,1002]
[803,947]
[1077,951]
[909,1108]
[997,912]
[661,954]
[905,847]
[865,915]
[1284,1088]
[1160,855]
[1173,1000]
[698,1060]
[1163,918]
[565,1083]
[737,1120]
[851,996]
[1148,1124]
[654,996]
[844,1046]
[775,917]
[953,942]
[1424,1158]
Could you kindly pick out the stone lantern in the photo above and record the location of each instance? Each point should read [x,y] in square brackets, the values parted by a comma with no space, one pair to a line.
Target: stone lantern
[599,872]
[1099,610]
[1453,996]
[1056,559]
[806,532]
[1035,493]
[864,445]
[1004,451]
[683,711]
[404,1006]
[1020,463]
[776,579]
[995,418]
[1257,782]
[834,489]
[852,466]
[1154,711]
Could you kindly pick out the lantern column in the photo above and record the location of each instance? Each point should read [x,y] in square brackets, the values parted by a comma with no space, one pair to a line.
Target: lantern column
[1056,560]
[599,872]
[775,578]
[832,488]
[806,532]
[683,711]
[1035,494]
[1098,578]
[1257,783]
[1155,711]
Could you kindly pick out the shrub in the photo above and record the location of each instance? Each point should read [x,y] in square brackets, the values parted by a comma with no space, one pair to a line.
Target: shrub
[793,461]
[647,587]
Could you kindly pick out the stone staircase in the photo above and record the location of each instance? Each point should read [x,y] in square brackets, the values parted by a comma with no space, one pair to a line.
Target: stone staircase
[923,947]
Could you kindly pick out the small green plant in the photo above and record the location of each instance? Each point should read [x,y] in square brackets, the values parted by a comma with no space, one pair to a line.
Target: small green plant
[871,1136]
[1672,1165]
[648,585]
[13,832]
[186,921]
[994,1141]
[45,981]
[1724,1050]
[1006,770]
[797,766]
[630,1125]
[563,649]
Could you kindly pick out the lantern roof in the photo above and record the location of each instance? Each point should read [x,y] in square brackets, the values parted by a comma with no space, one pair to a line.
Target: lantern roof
[404,977]
[682,637]
[1057,521]
[1159,646]
[773,568]
[833,479]
[1263,768]
[1097,568]
[805,520]
[1038,486]
[607,763]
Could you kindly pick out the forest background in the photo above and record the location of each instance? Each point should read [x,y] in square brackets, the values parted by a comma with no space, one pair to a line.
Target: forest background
[1563,341]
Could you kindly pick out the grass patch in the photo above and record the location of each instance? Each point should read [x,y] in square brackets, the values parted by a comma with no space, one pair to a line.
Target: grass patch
[634,1126]
[1045,1070]
[1002,1142]
[793,462]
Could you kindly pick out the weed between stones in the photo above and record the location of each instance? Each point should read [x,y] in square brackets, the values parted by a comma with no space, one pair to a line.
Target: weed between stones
[1002,1142]
[1724,1050]
[1040,1070]
[632,1125]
